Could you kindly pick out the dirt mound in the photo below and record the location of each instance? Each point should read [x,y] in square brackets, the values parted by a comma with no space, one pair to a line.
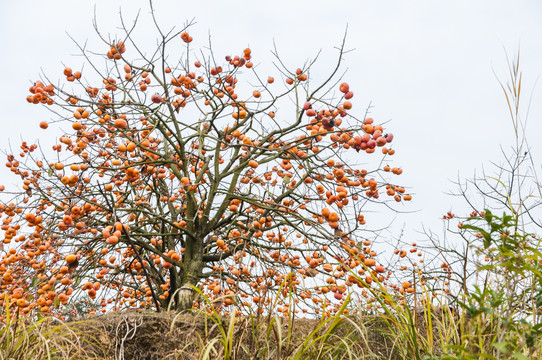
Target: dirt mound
[149,336]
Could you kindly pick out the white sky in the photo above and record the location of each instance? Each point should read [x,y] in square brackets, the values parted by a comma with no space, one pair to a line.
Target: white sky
[428,66]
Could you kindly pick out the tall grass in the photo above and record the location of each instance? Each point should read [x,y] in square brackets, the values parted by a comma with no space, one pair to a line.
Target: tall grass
[26,339]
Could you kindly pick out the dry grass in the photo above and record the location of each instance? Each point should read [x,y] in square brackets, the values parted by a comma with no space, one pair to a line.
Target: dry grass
[139,335]
[46,339]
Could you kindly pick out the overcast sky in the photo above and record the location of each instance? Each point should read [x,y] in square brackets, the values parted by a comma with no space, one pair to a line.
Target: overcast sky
[427,66]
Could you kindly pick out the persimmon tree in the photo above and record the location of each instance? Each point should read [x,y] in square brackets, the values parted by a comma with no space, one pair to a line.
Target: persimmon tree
[188,171]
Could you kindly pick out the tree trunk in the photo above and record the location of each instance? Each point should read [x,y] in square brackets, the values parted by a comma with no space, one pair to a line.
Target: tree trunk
[186,294]
[190,274]
[185,297]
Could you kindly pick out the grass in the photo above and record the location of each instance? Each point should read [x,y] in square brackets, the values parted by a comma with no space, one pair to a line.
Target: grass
[139,335]
[23,339]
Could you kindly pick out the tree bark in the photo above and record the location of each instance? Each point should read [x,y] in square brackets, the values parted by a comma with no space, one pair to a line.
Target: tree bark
[190,278]
[185,297]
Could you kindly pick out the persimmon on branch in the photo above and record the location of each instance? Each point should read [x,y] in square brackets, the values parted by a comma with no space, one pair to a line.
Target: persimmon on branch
[180,173]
